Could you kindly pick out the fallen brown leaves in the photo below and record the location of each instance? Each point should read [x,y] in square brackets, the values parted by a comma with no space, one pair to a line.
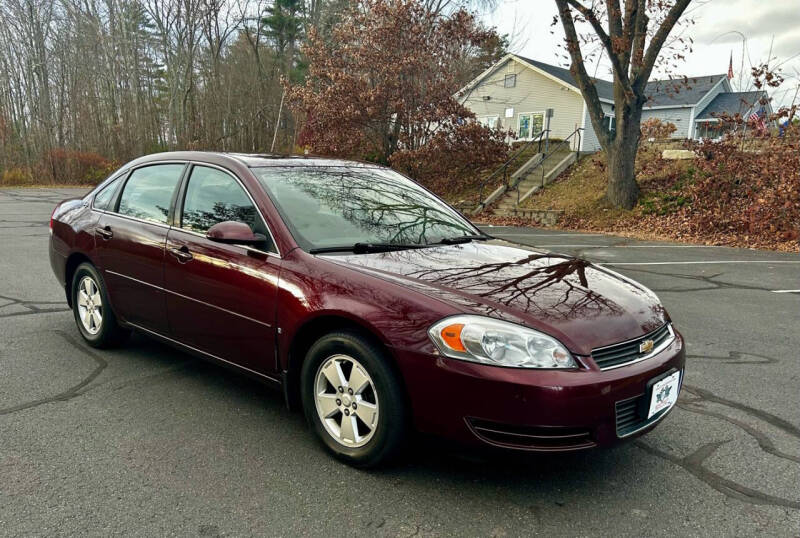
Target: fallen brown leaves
[733,194]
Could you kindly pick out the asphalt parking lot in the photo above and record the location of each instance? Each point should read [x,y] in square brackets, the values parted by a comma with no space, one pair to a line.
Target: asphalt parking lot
[148,441]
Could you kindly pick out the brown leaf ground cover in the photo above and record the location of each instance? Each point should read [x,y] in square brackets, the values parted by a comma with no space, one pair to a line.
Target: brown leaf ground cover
[734,194]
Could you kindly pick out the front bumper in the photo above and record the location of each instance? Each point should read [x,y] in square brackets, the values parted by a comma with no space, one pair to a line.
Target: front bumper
[538,410]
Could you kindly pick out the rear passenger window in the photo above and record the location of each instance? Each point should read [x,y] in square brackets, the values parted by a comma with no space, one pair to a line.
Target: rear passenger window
[213,196]
[147,195]
[102,198]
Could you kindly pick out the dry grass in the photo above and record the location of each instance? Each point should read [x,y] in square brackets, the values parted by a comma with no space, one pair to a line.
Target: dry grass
[663,206]
[580,191]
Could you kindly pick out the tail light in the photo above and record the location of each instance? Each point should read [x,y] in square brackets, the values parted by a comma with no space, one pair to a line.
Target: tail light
[51,217]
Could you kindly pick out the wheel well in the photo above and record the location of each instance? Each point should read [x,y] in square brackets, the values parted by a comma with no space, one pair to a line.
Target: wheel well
[73,262]
[307,335]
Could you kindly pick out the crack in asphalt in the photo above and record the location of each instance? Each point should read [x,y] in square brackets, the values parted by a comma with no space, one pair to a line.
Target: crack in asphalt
[773,420]
[708,279]
[71,392]
[50,196]
[32,307]
[693,463]
[737,357]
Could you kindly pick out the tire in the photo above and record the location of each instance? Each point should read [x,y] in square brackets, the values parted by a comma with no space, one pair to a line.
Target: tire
[373,382]
[96,322]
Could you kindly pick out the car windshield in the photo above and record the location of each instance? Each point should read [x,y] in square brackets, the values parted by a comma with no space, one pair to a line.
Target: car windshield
[339,206]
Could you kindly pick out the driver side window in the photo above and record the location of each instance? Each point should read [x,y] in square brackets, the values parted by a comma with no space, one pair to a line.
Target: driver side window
[213,196]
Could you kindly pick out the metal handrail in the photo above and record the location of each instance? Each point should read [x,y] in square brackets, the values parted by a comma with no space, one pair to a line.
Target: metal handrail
[576,133]
[504,167]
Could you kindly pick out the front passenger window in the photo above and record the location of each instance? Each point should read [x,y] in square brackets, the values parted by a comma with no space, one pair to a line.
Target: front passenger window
[213,196]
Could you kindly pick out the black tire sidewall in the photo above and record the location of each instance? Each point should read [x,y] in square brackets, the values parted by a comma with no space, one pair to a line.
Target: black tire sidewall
[109,333]
[392,419]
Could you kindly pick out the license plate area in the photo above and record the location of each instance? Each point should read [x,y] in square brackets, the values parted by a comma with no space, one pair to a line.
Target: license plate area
[661,393]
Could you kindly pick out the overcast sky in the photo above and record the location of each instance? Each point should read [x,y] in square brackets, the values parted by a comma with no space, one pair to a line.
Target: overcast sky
[715,33]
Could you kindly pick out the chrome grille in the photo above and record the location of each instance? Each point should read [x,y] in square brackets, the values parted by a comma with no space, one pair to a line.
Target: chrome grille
[617,355]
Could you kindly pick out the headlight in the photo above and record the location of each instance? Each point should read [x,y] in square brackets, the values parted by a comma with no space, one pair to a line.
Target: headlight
[499,343]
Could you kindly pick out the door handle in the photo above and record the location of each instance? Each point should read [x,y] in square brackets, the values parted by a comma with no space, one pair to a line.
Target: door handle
[105,233]
[181,253]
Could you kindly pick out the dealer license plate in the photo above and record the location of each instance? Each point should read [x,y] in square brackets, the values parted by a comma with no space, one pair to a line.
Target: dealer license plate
[664,394]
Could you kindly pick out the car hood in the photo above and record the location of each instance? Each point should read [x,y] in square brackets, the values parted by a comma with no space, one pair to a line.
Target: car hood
[581,304]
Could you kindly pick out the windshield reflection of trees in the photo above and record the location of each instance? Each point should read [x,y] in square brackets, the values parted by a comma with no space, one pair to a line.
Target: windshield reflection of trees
[383,207]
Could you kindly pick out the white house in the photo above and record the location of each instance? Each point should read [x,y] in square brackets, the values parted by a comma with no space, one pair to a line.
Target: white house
[516,92]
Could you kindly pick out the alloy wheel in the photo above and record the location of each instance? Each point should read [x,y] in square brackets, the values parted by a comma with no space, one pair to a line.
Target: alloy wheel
[346,400]
[90,305]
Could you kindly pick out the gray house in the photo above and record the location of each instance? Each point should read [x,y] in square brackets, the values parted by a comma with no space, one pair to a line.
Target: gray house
[516,92]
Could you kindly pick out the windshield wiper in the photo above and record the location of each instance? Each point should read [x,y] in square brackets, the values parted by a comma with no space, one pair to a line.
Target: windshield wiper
[459,239]
[366,248]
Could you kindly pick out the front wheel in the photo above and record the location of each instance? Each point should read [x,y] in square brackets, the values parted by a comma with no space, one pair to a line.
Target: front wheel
[90,305]
[353,399]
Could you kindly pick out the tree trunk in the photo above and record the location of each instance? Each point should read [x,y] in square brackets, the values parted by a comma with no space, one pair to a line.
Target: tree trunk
[623,191]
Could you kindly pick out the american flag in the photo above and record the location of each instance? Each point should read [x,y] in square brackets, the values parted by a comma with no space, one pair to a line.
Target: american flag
[757,119]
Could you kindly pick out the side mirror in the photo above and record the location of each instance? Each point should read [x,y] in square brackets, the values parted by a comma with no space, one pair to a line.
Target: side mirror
[234,232]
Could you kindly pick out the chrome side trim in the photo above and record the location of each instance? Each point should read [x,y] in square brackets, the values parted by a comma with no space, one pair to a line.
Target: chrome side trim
[135,280]
[217,308]
[135,219]
[664,345]
[191,299]
[209,355]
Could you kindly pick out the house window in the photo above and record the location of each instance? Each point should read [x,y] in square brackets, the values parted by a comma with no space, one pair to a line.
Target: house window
[489,121]
[510,81]
[530,125]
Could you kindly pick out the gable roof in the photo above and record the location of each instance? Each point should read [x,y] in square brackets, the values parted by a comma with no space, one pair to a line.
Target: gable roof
[605,89]
[680,91]
[669,92]
[732,103]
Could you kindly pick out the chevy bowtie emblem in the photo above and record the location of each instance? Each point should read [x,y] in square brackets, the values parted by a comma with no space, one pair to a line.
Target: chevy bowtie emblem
[646,346]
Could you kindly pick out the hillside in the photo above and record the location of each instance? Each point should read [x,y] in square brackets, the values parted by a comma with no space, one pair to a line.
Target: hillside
[747,198]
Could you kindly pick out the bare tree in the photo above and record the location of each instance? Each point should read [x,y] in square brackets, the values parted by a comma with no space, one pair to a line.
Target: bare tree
[632,36]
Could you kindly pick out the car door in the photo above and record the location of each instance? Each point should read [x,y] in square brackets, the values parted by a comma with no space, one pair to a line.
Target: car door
[130,237]
[221,297]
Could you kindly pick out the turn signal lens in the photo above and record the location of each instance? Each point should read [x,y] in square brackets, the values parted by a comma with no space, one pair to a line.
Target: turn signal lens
[451,336]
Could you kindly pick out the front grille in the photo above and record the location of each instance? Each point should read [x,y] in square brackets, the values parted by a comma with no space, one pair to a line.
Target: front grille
[623,353]
[540,438]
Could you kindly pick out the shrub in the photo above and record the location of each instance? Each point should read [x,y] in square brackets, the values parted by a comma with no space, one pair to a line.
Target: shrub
[16,177]
[456,157]
[69,166]
[656,129]
[749,192]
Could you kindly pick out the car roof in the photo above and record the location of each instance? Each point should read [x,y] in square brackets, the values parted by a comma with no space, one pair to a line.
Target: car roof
[251,160]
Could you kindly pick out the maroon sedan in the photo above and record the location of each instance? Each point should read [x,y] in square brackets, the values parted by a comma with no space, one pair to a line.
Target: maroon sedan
[369,301]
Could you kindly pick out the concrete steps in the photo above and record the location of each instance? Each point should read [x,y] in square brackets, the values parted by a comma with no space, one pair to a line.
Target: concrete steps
[529,180]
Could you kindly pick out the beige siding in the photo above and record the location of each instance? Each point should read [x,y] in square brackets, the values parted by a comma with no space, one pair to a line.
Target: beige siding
[534,92]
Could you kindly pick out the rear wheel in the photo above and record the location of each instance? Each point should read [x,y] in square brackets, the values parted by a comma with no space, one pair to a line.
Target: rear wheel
[352,398]
[93,315]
